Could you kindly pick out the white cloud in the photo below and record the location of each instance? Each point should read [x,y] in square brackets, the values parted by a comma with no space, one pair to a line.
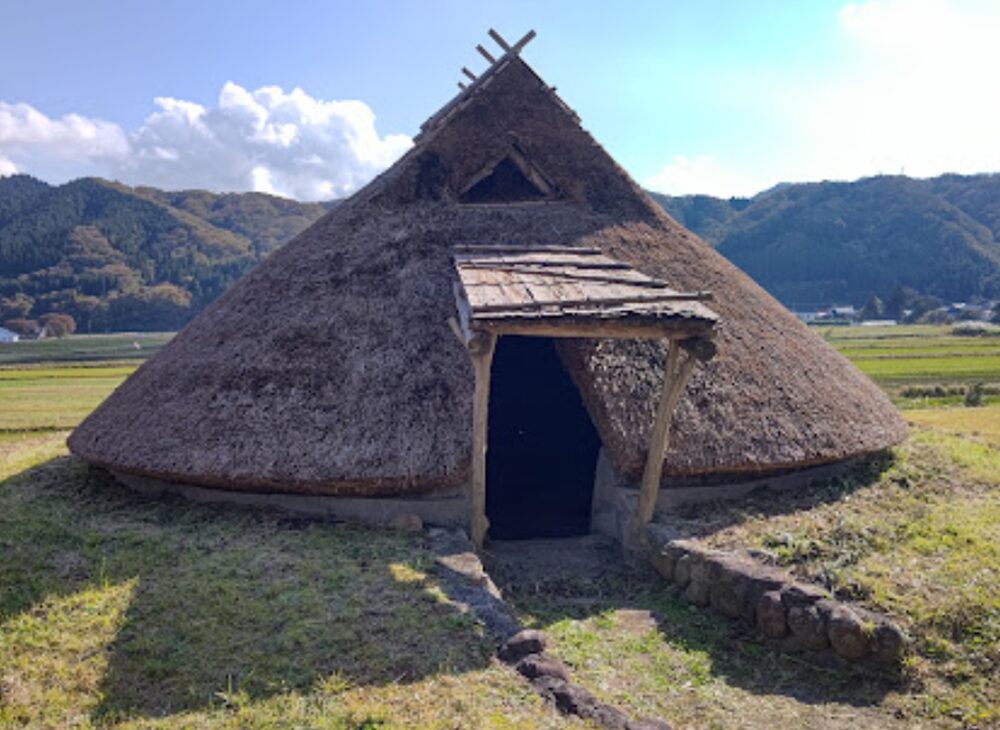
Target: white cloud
[702,174]
[7,167]
[27,135]
[266,140]
[917,91]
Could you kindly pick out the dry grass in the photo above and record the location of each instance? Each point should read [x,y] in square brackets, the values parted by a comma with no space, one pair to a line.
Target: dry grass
[980,424]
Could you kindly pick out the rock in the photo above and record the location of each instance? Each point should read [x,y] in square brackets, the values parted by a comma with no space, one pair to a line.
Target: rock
[682,571]
[658,537]
[569,698]
[700,581]
[534,666]
[760,579]
[801,594]
[889,643]
[771,615]
[609,717]
[806,625]
[521,644]
[847,634]
[407,523]
[727,587]
[663,561]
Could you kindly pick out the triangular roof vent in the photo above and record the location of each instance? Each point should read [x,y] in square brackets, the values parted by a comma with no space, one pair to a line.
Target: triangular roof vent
[509,179]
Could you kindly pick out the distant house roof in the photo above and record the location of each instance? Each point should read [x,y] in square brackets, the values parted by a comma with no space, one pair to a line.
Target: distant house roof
[7,336]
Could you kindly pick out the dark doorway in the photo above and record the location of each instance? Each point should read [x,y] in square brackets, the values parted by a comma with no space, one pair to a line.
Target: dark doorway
[542,449]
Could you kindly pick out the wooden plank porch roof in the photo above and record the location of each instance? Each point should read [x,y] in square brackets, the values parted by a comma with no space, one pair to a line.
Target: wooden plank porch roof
[577,291]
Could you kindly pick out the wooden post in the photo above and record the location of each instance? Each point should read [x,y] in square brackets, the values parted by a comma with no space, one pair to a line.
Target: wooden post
[675,377]
[481,348]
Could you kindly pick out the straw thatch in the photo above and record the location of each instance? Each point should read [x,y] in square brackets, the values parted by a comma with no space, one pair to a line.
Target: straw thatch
[331,368]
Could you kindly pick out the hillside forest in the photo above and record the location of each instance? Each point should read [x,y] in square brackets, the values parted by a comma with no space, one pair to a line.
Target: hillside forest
[116,258]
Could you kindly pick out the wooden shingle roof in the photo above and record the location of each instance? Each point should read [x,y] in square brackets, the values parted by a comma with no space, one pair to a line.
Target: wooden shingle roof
[571,291]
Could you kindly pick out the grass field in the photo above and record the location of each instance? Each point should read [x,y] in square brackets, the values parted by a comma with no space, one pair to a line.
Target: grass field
[922,366]
[84,348]
[122,611]
[54,397]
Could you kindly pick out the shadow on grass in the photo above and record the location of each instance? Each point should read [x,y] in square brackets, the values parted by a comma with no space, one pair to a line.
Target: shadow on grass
[703,519]
[226,600]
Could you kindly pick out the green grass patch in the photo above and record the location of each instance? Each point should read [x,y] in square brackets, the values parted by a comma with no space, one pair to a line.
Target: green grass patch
[886,332]
[949,368]
[53,397]
[84,348]
[119,611]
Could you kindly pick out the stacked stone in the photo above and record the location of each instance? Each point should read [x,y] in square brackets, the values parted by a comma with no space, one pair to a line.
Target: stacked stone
[550,678]
[799,615]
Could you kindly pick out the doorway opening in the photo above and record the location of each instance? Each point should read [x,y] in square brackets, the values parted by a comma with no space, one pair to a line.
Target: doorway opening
[542,446]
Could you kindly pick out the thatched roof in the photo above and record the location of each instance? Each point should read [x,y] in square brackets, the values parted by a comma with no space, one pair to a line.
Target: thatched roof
[331,367]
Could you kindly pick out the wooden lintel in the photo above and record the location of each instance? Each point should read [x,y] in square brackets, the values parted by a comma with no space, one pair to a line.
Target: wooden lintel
[558,327]
[485,54]
[467,72]
[675,377]
[638,299]
[481,349]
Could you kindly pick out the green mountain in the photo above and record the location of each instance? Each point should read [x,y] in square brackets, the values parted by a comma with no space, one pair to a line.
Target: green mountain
[821,243]
[120,258]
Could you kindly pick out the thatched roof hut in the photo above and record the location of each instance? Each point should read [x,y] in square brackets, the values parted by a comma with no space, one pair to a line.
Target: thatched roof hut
[333,368]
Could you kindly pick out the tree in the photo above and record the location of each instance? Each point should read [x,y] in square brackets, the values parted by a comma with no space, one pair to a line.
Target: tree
[896,305]
[873,309]
[16,307]
[23,327]
[56,324]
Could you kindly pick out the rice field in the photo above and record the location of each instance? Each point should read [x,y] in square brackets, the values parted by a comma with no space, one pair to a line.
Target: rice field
[133,346]
[54,397]
[53,384]
[922,366]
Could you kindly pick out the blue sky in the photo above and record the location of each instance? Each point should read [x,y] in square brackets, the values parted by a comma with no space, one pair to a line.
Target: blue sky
[711,97]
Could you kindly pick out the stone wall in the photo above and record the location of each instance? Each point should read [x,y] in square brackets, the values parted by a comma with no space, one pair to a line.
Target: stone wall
[797,615]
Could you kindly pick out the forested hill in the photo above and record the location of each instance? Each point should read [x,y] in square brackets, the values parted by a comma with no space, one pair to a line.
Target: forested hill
[817,244]
[119,258]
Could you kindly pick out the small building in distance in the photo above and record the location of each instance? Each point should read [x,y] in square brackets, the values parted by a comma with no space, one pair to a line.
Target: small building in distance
[7,336]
